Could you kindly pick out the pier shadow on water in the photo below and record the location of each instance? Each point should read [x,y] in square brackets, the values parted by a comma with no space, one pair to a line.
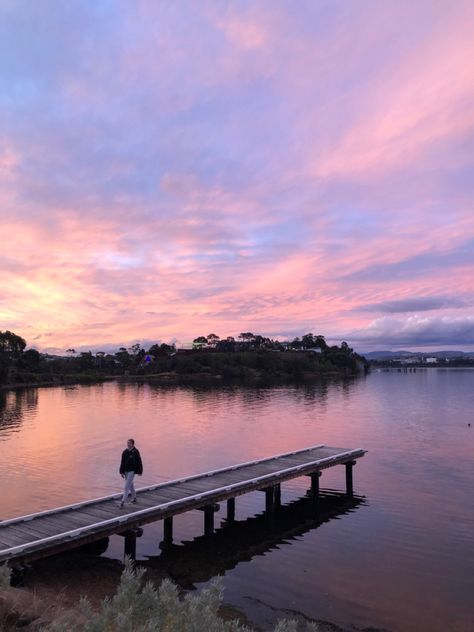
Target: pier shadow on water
[204,557]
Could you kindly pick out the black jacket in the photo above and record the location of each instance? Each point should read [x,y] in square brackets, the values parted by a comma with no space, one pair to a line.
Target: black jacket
[131,461]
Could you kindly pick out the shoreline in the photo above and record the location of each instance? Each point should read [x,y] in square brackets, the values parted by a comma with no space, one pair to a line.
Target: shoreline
[54,586]
[186,379]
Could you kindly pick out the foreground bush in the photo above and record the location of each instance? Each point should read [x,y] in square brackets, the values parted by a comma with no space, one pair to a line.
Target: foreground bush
[141,608]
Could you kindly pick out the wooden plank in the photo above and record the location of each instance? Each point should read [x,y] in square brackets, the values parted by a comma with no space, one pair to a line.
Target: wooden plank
[104,514]
[25,537]
[34,530]
[61,524]
[147,501]
[90,516]
[265,467]
[165,496]
[192,490]
[166,489]
[13,538]
[72,517]
[259,471]
[236,476]
[157,499]
[325,452]
[3,546]
[293,462]
[185,489]
[62,516]
[142,503]
[7,533]
[109,510]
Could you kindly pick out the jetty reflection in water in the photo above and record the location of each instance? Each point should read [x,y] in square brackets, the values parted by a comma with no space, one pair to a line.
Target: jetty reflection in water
[204,557]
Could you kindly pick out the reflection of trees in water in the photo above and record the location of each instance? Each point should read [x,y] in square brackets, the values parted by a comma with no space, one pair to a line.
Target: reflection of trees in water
[209,401]
[205,557]
[314,393]
[14,405]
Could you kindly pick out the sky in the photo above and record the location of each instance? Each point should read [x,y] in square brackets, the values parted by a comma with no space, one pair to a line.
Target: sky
[174,169]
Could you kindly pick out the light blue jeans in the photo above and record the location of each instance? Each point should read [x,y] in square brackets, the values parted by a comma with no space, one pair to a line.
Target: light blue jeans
[128,487]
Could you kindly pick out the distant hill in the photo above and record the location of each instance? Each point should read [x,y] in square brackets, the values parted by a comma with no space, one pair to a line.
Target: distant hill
[393,355]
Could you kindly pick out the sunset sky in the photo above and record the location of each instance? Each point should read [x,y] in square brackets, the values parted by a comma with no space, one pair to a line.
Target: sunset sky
[172,169]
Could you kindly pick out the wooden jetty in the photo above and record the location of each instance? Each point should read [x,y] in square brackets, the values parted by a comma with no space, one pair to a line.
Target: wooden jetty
[46,533]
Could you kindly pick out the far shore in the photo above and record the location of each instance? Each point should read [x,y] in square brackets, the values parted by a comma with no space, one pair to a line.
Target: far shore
[177,379]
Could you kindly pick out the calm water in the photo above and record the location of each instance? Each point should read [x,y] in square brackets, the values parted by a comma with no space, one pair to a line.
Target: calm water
[402,559]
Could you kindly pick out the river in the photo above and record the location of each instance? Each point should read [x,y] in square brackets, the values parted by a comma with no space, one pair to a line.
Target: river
[400,558]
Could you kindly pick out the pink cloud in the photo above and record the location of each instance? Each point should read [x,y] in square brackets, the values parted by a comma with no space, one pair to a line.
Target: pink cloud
[243,168]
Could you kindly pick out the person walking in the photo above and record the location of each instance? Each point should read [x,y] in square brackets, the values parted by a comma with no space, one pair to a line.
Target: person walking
[130,464]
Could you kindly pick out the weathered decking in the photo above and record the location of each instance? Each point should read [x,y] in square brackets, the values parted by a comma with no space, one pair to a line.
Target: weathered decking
[42,534]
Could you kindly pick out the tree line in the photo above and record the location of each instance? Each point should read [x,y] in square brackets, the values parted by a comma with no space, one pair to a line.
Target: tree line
[248,356]
[256,341]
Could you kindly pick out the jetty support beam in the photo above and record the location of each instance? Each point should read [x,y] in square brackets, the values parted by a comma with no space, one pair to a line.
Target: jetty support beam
[130,545]
[168,530]
[315,476]
[277,495]
[231,510]
[269,499]
[209,519]
[349,482]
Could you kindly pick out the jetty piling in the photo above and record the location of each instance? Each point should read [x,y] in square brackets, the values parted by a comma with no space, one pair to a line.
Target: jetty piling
[230,510]
[349,481]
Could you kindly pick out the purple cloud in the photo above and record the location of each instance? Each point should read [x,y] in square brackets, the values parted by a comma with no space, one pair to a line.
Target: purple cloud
[416,331]
[415,304]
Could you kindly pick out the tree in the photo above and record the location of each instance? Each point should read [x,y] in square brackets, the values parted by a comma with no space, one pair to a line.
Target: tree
[295,343]
[11,349]
[11,344]
[31,359]
[135,349]
[123,357]
[227,345]
[212,340]
[86,360]
[160,350]
[164,348]
[247,336]
[320,341]
[154,350]
[261,342]
[308,341]
[199,341]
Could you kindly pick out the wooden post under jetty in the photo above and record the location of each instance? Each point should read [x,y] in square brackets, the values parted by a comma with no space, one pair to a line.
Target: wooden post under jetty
[349,481]
[230,510]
